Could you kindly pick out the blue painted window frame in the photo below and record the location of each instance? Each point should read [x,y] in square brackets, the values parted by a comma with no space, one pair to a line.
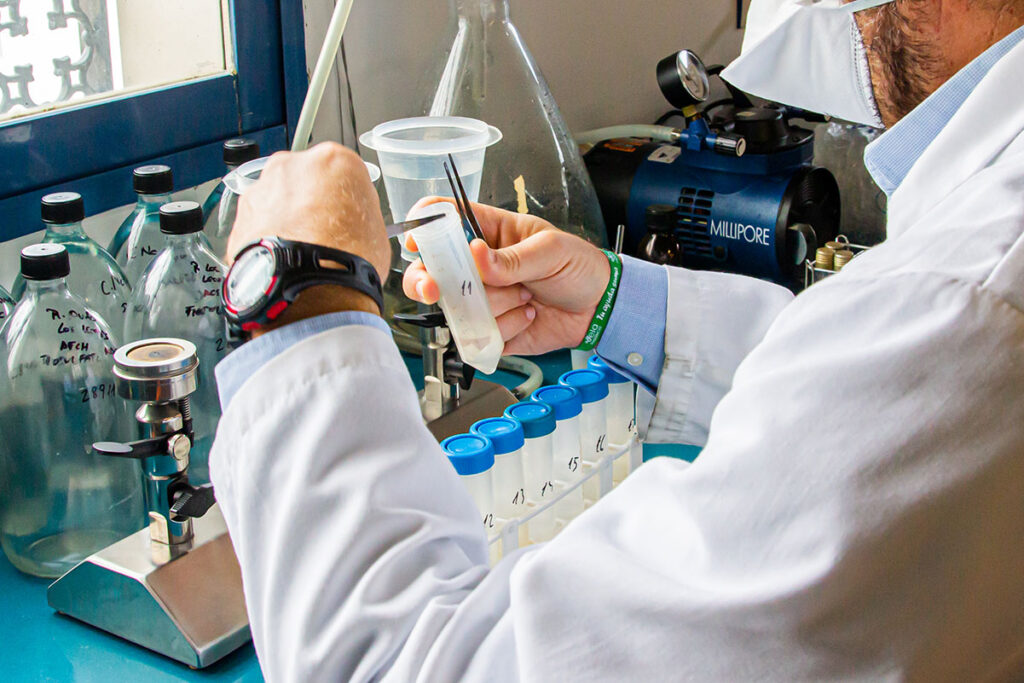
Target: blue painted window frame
[92,148]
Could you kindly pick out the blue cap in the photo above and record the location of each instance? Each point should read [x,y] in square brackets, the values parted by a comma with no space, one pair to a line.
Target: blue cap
[565,401]
[610,376]
[469,453]
[590,383]
[505,434]
[538,419]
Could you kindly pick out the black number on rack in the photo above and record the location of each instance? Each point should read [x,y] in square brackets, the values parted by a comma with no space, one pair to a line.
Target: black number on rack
[519,498]
[600,443]
[489,521]
[467,288]
[574,463]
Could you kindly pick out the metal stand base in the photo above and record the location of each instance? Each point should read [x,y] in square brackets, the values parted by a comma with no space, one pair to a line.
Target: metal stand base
[483,400]
[186,604]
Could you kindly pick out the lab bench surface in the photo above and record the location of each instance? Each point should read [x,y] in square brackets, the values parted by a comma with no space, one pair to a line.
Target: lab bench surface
[36,644]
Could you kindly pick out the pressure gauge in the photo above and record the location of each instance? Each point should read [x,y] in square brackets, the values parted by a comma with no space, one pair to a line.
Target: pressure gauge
[683,79]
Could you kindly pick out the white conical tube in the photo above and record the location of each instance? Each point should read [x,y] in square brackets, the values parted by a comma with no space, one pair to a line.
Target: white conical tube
[445,252]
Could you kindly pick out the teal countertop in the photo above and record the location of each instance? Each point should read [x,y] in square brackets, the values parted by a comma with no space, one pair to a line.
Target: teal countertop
[39,645]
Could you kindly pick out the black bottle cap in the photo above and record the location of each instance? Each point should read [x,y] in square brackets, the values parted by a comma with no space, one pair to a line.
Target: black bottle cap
[45,262]
[61,208]
[662,218]
[155,179]
[240,150]
[181,218]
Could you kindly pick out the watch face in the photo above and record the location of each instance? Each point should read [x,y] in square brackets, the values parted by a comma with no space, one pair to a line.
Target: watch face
[251,278]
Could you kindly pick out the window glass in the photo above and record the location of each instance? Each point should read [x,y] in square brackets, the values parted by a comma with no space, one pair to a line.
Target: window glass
[59,52]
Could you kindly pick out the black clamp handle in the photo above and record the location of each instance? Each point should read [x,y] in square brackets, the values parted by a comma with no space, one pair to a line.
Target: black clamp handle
[134,450]
[189,502]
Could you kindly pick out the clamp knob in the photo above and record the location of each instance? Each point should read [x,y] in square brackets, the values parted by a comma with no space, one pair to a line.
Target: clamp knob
[191,501]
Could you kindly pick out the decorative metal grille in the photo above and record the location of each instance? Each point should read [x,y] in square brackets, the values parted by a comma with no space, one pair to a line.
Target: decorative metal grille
[86,73]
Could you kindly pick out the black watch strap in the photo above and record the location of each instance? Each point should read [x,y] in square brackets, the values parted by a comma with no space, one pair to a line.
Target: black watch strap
[303,268]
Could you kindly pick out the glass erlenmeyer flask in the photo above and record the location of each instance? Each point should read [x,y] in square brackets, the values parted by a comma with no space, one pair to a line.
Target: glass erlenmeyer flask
[490,75]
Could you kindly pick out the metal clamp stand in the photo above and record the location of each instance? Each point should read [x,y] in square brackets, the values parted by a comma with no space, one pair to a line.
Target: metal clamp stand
[175,587]
[452,399]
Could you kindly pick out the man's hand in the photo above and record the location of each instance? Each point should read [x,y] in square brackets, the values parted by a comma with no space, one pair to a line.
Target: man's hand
[543,284]
[323,196]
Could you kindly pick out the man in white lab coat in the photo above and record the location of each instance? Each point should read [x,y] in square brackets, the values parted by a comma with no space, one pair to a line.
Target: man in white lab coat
[858,509]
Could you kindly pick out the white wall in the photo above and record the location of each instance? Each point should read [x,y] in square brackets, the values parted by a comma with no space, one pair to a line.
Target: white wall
[598,56]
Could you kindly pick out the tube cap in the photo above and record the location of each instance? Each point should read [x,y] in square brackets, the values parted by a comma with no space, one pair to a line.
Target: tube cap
[45,262]
[181,218]
[61,208]
[610,376]
[537,418]
[506,435]
[237,151]
[153,179]
[469,453]
[565,401]
[590,383]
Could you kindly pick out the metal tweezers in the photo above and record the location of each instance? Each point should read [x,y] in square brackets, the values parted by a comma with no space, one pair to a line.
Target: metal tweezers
[469,221]
[398,228]
[462,204]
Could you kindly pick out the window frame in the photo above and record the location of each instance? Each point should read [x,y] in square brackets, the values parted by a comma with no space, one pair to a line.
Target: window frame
[92,148]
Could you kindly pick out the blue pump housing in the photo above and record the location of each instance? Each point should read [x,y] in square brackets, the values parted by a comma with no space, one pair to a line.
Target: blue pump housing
[735,214]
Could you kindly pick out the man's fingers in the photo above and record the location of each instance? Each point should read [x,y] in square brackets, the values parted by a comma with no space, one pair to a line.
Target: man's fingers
[535,258]
[419,286]
[515,321]
[505,299]
[501,228]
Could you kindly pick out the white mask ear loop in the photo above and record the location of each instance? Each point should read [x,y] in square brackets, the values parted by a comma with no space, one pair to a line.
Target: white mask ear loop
[860,56]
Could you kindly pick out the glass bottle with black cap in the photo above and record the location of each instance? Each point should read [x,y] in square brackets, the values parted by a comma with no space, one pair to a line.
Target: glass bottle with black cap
[138,239]
[218,210]
[6,306]
[59,500]
[661,245]
[179,296]
[95,276]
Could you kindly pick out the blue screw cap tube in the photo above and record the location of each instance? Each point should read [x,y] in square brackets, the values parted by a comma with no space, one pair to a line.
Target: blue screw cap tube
[509,486]
[472,456]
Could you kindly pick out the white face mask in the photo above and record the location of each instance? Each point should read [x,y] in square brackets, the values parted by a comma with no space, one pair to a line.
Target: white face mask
[808,54]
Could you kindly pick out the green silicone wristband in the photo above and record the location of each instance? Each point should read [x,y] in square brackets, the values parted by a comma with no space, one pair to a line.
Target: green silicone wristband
[605,306]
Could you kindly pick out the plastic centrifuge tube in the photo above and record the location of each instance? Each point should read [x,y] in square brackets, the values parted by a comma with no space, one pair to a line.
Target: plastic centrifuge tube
[472,456]
[568,463]
[579,359]
[442,246]
[538,422]
[621,413]
[593,390]
[509,486]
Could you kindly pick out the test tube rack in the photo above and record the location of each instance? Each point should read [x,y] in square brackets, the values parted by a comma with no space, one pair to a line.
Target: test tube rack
[813,274]
[510,534]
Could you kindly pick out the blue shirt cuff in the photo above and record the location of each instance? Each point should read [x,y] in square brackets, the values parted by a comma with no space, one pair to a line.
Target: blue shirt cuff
[240,364]
[636,328]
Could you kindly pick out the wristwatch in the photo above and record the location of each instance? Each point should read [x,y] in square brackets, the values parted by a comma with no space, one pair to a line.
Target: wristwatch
[268,275]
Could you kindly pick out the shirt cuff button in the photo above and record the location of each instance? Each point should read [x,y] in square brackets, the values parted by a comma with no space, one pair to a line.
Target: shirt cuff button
[635,359]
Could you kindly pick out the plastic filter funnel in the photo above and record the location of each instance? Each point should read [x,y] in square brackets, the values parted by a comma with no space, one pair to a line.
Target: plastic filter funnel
[412,153]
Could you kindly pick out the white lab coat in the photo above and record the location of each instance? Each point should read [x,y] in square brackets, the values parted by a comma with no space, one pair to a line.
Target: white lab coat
[857,514]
